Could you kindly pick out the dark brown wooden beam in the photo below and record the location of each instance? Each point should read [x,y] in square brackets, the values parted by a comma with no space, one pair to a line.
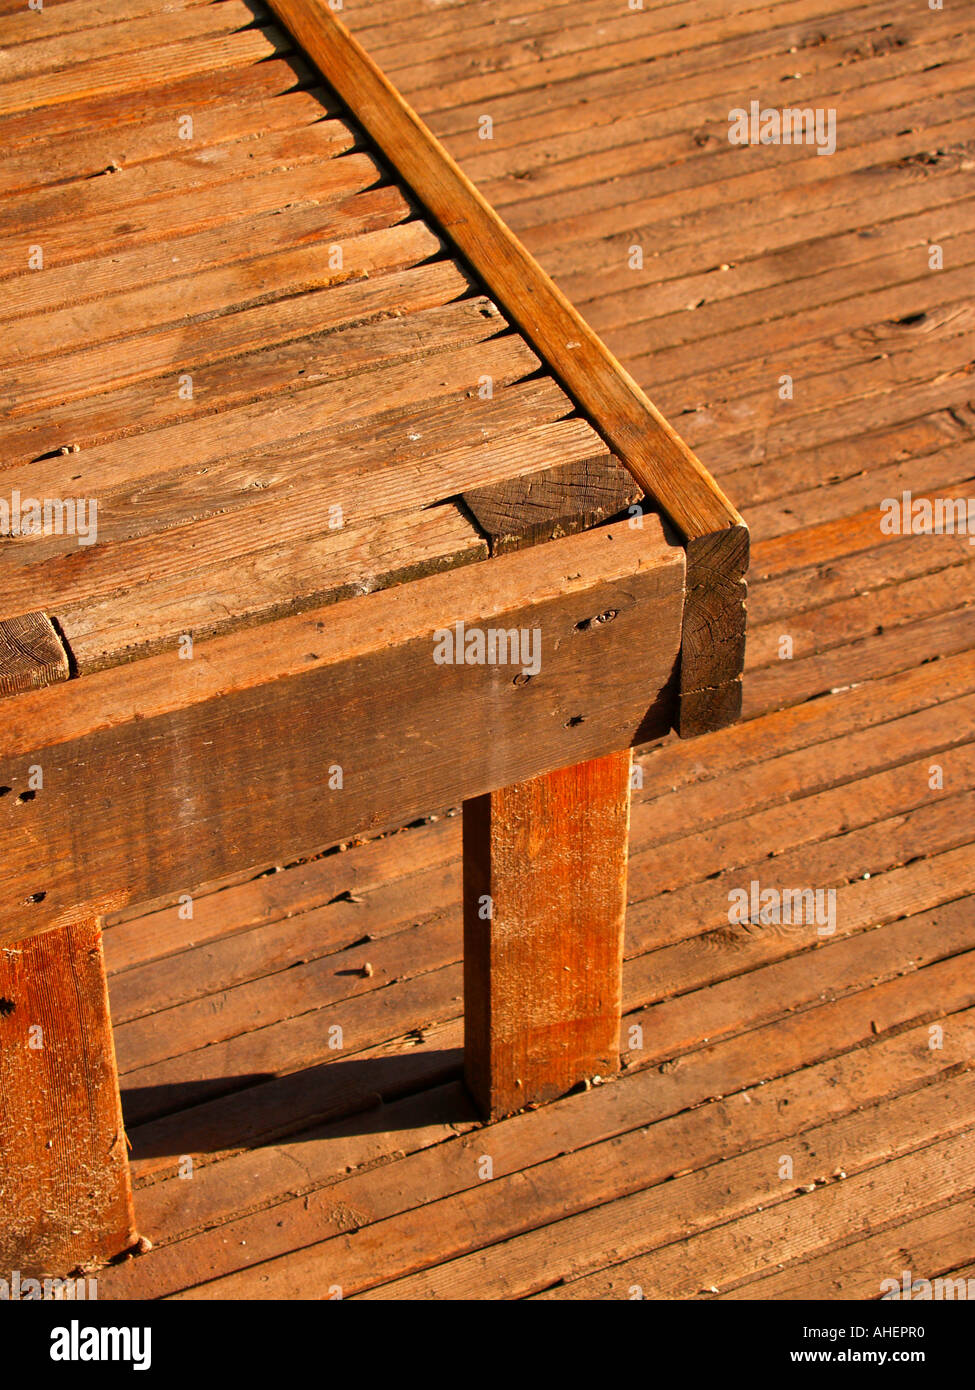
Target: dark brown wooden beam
[165,775]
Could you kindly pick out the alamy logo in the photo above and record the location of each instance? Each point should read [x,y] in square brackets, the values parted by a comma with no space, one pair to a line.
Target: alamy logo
[790,126]
[77,1343]
[51,516]
[18,1289]
[925,516]
[495,646]
[799,907]
[923,1290]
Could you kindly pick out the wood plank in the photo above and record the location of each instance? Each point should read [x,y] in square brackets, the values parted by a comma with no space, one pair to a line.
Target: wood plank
[242,960]
[140,940]
[227,249]
[759,30]
[861,660]
[216,538]
[22,25]
[544,906]
[190,1054]
[536,1201]
[340,407]
[250,112]
[128,35]
[789,783]
[63,1164]
[804,1226]
[142,69]
[287,576]
[697,184]
[362,296]
[602,1144]
[272,1107]
[109,191]
[932,827]
[892,317]
[211,503]
[32,654]
[183,214]
[855,1269]
[74,331]
[659,117]
[122,115]
[183,774]
[533,507]
[767,1066]
[736,207]
[674,1025]
[888,606]
[660,461]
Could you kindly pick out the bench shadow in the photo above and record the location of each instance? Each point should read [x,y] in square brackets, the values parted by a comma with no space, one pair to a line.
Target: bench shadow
[255,1109]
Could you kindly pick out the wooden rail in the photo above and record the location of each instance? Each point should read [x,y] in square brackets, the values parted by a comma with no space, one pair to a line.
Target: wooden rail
[714,534]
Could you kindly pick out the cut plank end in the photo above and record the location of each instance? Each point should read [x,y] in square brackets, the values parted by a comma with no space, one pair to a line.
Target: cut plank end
[32,654]
[713,632]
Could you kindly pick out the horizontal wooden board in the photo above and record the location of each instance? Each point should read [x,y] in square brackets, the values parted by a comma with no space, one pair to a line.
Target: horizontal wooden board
[187,780]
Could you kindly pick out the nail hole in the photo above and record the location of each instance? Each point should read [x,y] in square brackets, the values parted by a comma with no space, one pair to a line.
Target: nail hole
[36,898]
[5,790]
[25,796]
[7,1007]
[597,621]
[574,721]
[522,678]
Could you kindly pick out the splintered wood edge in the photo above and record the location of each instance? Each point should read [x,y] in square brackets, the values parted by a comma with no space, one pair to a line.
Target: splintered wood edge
[663,465]
[32,654]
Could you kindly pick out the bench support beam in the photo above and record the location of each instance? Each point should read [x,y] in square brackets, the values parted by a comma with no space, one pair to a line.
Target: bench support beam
[65,1195]
[544,908]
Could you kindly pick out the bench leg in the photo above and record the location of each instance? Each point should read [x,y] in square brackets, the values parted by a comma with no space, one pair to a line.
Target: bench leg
[65,1196]
[544,907]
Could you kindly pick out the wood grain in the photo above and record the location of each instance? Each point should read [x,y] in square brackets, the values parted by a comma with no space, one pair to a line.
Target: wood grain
[65,1199]
[635,430]
[32,654]
[534,507]
[192,798]
[546,859]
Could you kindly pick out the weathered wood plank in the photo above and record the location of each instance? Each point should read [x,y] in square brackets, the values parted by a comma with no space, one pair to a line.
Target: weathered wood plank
[141,69]
[233,522]
[646,1097]
[661,462]
[544,906]
[358,298]
[183,214]
[108,191]
[225,250]
[130,34]
[65,1198]
[153,785]
[287,576]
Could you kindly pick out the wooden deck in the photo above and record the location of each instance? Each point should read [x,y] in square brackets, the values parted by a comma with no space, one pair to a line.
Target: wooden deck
[787,1124]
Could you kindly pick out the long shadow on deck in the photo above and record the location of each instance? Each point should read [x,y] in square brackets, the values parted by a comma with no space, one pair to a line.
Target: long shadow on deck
[250,1110]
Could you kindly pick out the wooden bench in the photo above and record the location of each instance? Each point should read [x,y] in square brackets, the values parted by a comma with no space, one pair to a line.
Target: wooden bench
[381,527]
